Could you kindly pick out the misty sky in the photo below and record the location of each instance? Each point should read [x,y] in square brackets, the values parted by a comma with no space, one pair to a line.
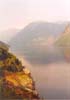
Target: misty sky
[18,13]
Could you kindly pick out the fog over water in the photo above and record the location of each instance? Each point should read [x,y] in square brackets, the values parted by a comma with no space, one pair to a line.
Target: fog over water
[49,64]
[53,80]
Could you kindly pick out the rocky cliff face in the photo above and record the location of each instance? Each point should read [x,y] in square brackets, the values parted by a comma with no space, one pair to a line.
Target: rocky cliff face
[15,80]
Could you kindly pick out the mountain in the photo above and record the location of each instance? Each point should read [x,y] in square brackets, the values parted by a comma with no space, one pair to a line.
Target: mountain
[63,42]
[6,35]
[64,39]
[32,41]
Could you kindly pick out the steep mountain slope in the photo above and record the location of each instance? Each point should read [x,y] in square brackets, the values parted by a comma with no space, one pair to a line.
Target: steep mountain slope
[63,42]
[16,81]
[64,39]
[34,39]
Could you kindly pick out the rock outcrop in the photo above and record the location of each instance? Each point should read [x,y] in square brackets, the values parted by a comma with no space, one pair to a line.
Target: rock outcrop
[15,80]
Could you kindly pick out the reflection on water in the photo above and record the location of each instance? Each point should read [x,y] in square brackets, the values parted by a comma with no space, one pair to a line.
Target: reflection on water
[53,80]
[52,74]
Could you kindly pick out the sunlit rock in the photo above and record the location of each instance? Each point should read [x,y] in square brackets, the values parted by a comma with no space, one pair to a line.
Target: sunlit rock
[16,81]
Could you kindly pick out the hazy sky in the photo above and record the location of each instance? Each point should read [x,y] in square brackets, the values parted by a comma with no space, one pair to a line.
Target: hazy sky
[18,13]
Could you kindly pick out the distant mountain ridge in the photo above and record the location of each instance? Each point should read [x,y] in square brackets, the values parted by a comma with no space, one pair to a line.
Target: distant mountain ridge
[33,41]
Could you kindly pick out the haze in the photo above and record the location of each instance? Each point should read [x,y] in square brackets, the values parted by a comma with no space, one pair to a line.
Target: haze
[18,13]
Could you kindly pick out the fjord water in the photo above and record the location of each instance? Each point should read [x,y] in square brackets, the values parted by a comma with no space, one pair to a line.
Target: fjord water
[52,77]
[53,80]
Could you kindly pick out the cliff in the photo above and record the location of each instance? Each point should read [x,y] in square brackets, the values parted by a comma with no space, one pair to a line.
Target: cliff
[16,81]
